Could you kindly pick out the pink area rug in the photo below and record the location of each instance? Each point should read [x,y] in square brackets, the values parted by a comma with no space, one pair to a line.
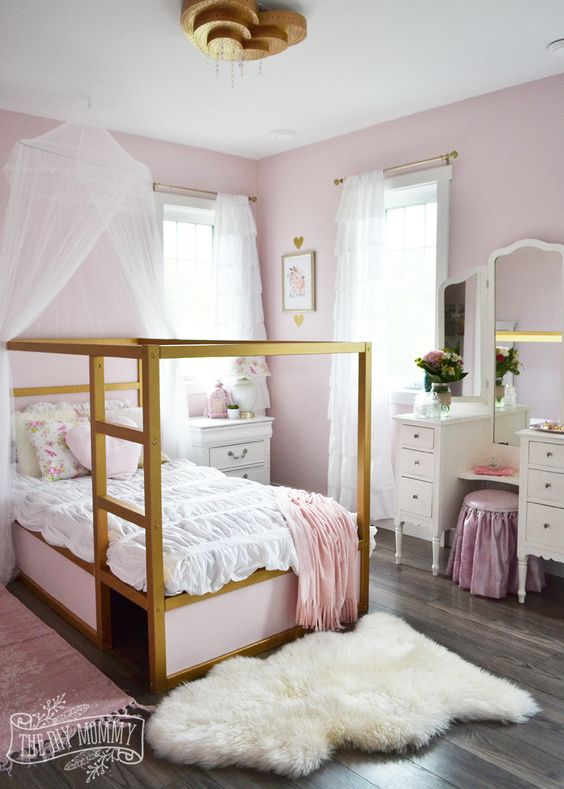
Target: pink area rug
[43,677]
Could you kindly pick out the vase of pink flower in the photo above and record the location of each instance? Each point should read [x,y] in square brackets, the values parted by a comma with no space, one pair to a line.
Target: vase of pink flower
[506,361]
[442,368]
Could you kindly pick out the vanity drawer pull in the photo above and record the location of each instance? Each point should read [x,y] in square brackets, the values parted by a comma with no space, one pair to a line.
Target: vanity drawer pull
[415,496]
[549,454]
[416,435]
[546,525]
[232,454]
[547,485]
[245,476]
[417,463]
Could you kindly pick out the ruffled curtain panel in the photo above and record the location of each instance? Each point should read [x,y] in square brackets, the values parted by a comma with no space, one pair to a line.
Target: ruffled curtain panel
[360,315]
[238,291]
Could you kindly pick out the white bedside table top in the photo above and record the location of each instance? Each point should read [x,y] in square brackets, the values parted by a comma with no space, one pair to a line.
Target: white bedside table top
[203,422]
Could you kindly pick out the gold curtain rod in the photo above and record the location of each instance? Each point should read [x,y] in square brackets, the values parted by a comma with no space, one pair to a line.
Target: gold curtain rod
[443,157]
[171,188]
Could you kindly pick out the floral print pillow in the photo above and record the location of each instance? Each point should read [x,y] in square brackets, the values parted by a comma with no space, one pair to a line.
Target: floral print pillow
[55,459]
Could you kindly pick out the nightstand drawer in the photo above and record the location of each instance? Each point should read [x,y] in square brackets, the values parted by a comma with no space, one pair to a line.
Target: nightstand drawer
[420,463]
[544,454]
[545,485]
[545,526]
[416,496]
[236,455]
[255,474]
[417,437]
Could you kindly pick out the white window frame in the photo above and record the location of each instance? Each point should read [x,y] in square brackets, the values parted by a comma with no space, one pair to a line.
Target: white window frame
[200,210]
[441,176]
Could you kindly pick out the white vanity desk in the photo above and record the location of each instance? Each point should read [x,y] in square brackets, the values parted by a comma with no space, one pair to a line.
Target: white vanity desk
[431,456]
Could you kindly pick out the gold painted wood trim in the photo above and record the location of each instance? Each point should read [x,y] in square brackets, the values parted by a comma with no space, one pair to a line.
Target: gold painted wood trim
[263,348]
[115,583]
[86,566]
[122,509]
[271,642]
[124,432]
[363,469]
[154,515]
[58,607]
[34,391]
[257,577]
[122,351]
[99,490]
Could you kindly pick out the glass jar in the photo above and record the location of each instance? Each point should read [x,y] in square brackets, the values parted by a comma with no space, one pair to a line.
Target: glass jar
[433,406]
[510,396]
[444,394]
[499,393]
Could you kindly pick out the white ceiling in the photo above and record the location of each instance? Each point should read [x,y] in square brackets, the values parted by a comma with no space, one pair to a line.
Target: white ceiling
[364,61]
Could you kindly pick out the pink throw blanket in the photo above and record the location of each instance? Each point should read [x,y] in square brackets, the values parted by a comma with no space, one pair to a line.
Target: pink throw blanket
[326,538]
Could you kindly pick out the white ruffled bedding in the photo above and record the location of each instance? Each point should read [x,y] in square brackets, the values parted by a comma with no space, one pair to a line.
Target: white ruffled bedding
[216,528]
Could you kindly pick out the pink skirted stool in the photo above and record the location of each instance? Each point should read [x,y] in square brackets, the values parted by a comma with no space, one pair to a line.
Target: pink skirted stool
[483,557]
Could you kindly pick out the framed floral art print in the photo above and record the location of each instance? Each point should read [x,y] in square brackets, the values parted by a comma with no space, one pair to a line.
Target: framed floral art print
[298,282]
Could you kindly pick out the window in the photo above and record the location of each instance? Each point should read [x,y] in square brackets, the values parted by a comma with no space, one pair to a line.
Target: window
[415,265]
[188,272]
[187,227]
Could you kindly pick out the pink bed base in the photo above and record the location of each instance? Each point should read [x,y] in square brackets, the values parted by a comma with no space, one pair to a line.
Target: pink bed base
[194,633]
[68,583]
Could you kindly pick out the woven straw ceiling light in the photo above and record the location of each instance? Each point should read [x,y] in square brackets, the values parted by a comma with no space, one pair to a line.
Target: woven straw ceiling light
[237,30]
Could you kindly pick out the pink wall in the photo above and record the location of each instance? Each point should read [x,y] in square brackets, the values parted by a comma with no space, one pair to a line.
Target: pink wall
[169,163]
[507,185]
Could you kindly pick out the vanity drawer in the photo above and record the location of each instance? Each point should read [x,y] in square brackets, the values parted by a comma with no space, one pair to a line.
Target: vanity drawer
[237,455]
[545,485]
[416,496]
[545,526]
[414,462]
[544,454]
[418,437]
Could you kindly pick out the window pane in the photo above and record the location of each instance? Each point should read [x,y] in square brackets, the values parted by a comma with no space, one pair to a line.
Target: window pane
[186,240]
[410,281]
[204,239]
[169,239]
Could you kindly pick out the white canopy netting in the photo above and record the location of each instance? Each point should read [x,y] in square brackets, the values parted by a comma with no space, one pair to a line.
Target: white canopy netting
[81,208]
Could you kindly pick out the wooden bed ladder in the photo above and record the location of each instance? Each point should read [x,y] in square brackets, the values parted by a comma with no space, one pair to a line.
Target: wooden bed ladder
[150,519]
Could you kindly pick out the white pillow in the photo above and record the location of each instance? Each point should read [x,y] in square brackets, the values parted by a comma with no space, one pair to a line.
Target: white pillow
[122,457]
[136,414]
[25,453]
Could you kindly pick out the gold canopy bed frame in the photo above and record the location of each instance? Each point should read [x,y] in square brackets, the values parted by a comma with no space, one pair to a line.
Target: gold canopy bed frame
[149,353]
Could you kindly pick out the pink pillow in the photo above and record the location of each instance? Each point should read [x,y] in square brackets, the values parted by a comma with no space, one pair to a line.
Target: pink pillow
[122,457]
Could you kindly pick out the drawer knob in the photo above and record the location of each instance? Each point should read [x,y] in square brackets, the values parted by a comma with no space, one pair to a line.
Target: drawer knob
[415,496]
[416,435]
[549,454]
[232,454]
[547,485]
[546,525]
[245,476]
[417,463]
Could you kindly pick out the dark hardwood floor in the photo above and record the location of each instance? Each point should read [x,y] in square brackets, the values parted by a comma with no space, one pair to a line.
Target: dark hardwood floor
[521,643]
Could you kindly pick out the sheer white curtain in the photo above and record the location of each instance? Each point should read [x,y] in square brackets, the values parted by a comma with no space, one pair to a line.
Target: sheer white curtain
[238,289]
[360,315]
[69,188]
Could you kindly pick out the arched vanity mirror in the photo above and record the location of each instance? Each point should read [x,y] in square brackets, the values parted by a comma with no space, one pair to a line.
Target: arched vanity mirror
[460,322]
[525,321]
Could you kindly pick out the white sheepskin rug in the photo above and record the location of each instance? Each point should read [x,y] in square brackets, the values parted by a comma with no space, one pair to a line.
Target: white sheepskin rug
[381,687]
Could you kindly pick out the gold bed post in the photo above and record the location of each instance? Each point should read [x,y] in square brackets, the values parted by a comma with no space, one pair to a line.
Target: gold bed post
[153,517]
[363,469]
[100,516]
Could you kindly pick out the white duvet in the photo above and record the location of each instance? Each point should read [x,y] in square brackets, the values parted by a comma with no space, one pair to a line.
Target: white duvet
[216,528]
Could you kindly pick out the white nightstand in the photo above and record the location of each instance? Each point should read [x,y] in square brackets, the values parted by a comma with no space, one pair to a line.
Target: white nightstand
[238,447]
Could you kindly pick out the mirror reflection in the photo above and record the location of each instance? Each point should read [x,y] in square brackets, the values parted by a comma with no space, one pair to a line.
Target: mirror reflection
[528,299]
[461,331]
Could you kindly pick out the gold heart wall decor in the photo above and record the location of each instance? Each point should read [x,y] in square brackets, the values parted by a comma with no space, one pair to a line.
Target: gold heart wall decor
[298,241]
[298,320]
